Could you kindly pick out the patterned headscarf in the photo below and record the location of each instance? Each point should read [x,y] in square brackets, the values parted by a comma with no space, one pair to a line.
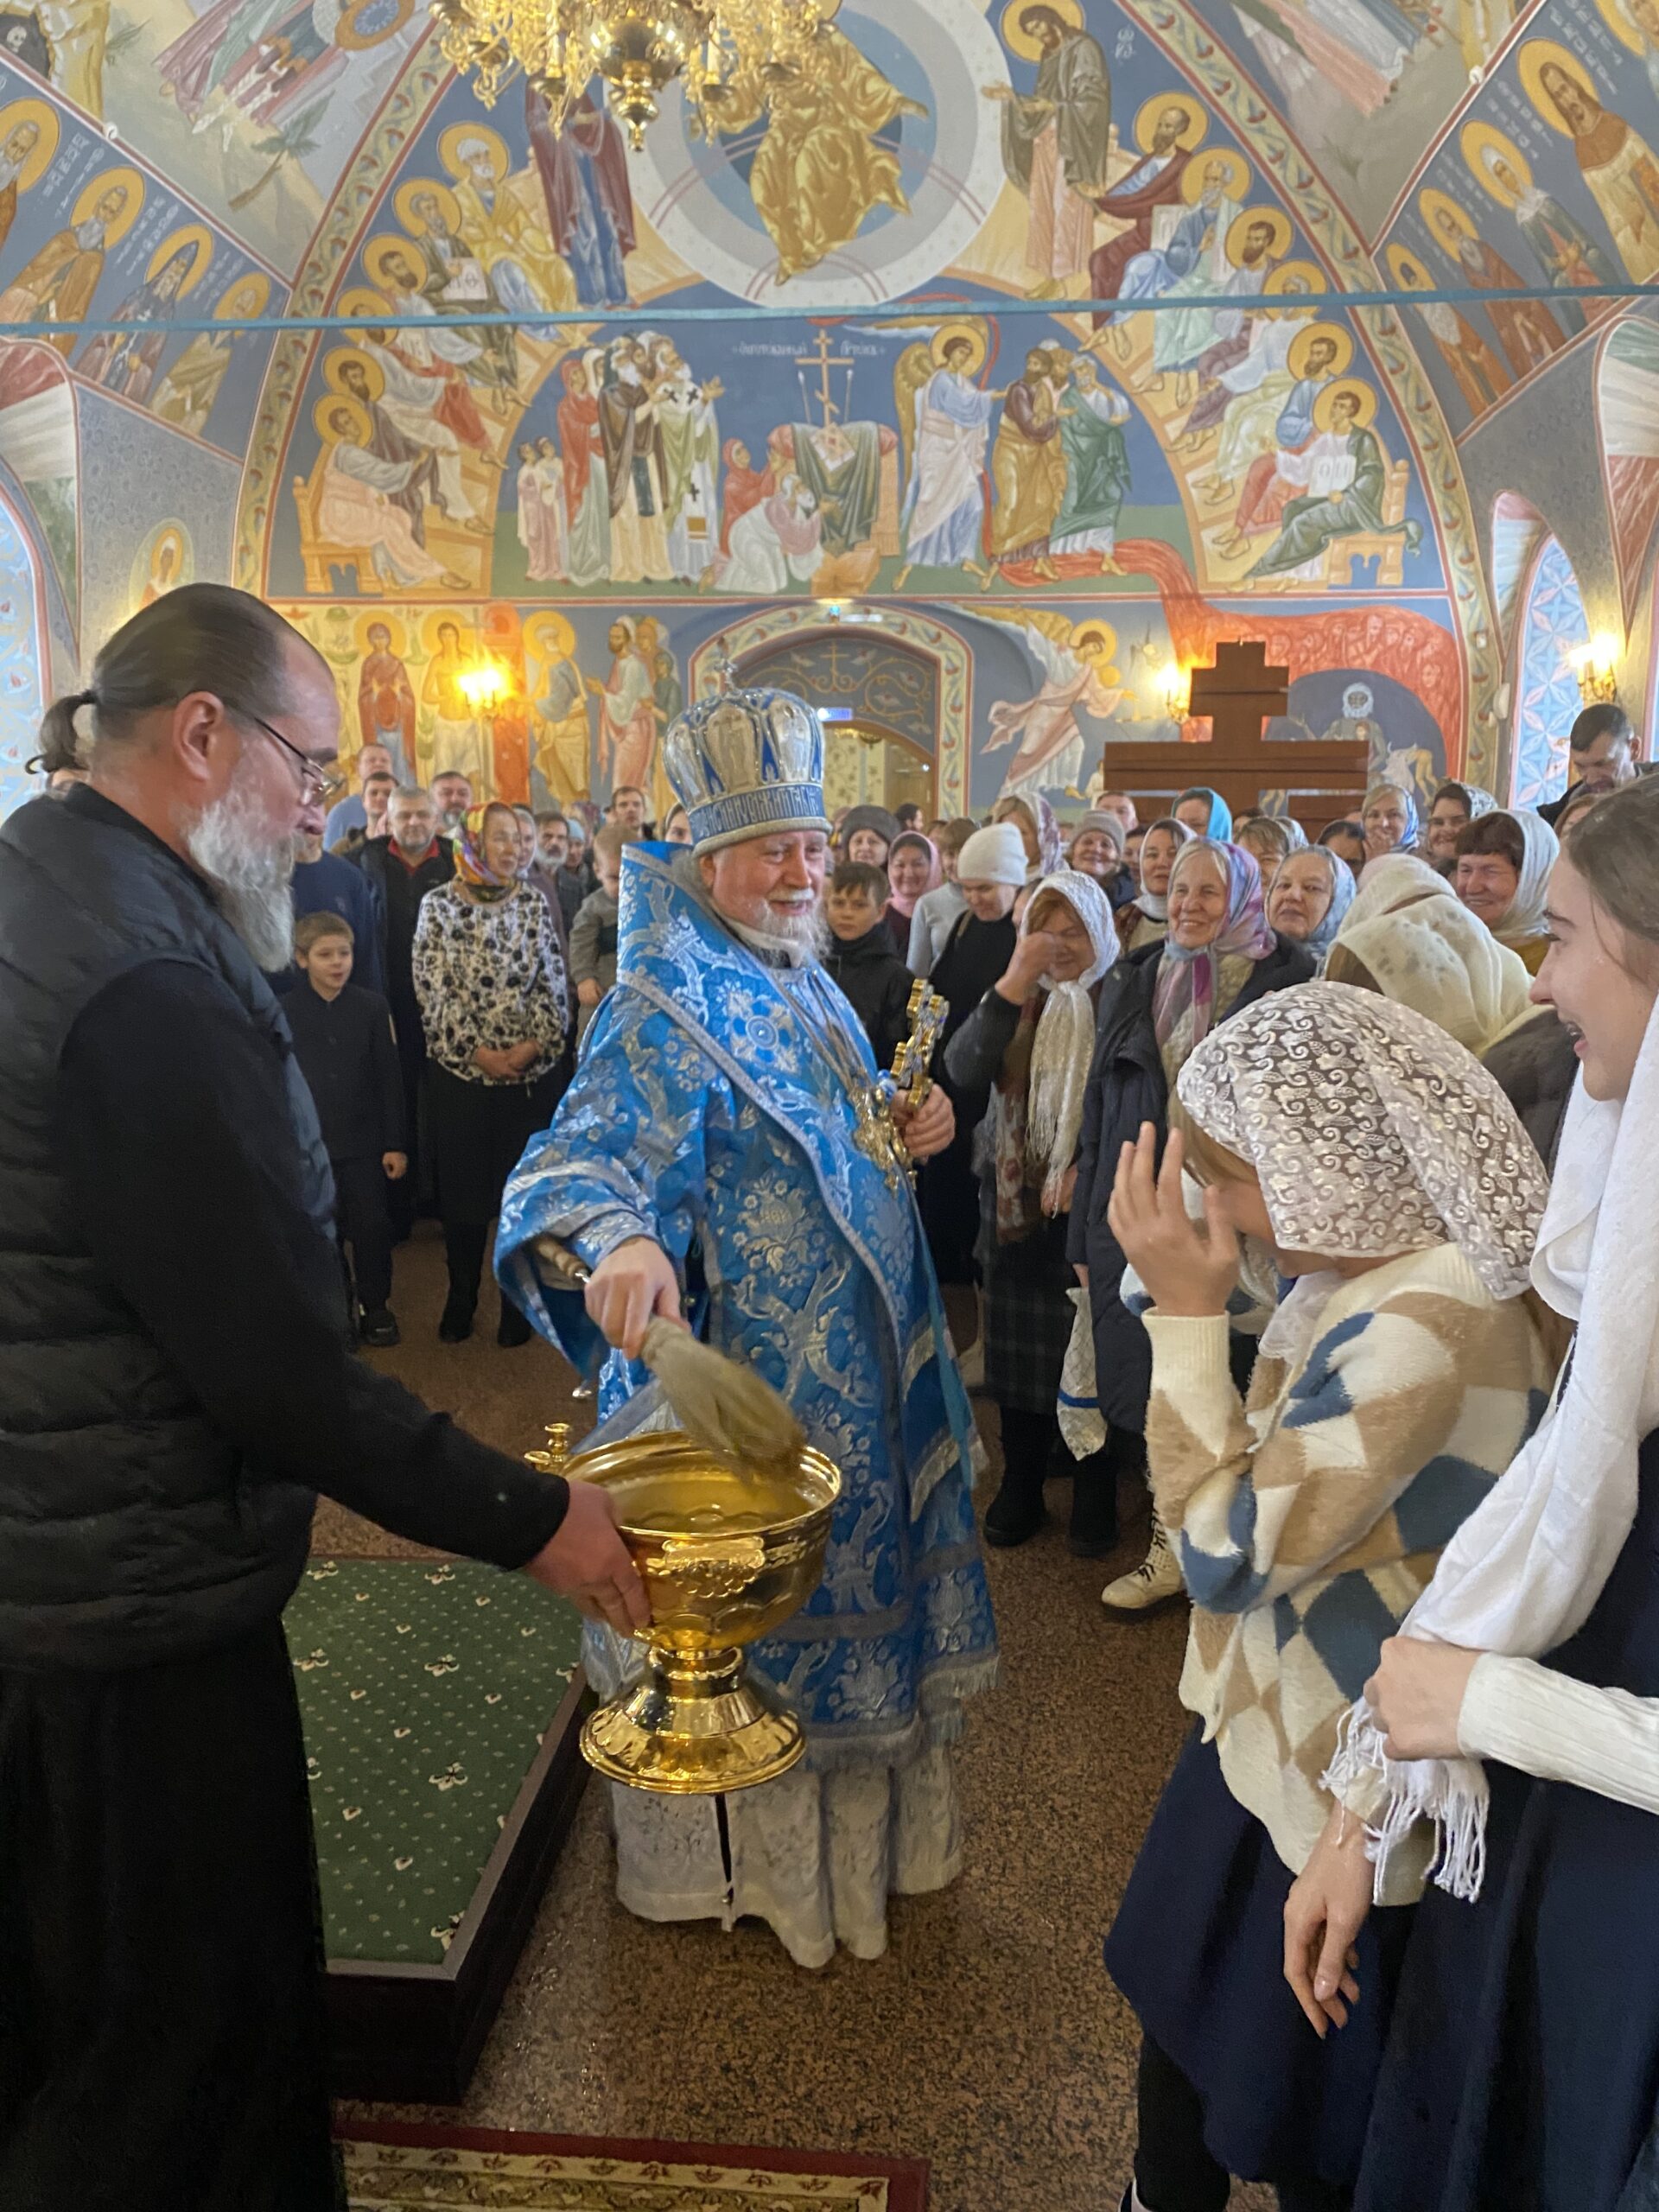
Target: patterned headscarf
[1193,985]
[1422,948]
[1045,823]
[470,866]
[1523,918]
[1220,824]
[1412,835]
[1154,905]
[1345,889]
[1372,1133]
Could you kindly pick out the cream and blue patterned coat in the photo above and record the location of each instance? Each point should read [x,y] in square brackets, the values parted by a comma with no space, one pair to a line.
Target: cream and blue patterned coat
[706,1115]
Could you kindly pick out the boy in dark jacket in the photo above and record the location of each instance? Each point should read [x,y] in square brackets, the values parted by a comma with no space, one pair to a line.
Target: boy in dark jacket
[862,959]
[343,1042]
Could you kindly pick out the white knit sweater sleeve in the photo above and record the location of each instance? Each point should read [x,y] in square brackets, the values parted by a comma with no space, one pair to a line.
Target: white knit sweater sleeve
[1548,1725]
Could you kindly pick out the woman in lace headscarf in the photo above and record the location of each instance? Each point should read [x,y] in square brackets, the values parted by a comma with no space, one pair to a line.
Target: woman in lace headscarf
[1029,1041]
[1160,1003]
[1408,936]
[1391,1182]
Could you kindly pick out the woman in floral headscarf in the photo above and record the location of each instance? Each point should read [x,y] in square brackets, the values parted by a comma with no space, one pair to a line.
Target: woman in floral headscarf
[1220,955]
[1385,1174]
[1039,828]
[1029,1041]
[495,1006]
[1391,821]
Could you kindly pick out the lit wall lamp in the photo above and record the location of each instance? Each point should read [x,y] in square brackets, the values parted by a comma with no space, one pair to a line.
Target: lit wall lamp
[1596,666]
[484,687]
[1175,691]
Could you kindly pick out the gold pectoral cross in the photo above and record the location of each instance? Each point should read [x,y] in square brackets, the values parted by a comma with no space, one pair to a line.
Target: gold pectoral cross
[910,1078]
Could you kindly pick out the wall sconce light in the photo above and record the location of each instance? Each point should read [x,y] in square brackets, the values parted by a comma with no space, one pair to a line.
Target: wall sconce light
[1596,666]
[1175,691]
[484,687]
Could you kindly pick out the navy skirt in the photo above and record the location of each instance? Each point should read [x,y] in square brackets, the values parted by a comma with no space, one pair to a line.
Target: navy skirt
[1197,1948]
[1523,2068]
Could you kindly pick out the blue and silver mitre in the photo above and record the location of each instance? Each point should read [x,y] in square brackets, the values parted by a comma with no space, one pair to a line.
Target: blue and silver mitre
[744,762]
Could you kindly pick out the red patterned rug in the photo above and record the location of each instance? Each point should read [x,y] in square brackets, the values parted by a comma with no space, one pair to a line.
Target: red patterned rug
[397,2168]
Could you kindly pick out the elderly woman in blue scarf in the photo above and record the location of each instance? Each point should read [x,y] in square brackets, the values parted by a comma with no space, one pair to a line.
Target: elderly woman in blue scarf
[1310,899]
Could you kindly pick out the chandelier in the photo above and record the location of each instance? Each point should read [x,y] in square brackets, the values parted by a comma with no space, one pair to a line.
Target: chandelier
[731,55]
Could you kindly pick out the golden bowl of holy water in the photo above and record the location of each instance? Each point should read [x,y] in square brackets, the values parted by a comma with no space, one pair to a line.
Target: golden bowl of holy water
[726,1553]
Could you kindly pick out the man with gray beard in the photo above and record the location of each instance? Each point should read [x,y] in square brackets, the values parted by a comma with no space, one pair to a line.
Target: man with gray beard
[725,1147]
[174,1390]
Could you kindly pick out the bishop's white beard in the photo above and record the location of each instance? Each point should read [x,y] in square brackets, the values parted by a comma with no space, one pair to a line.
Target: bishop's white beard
[798,939]
[249,871]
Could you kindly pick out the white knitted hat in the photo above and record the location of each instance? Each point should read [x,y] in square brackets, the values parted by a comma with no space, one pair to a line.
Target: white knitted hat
[994,855]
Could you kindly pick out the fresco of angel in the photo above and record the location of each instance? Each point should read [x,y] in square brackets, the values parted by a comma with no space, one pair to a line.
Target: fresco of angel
[1076,658]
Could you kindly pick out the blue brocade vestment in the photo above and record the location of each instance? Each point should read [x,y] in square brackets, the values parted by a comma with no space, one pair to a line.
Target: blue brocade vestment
[712,1113]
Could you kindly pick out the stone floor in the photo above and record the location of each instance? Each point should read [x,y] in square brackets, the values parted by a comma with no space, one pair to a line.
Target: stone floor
[989,2040]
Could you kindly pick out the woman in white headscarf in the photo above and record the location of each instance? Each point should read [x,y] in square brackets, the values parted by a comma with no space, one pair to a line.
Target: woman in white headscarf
[1395,1187]
[1518,1711]
[1030,1040]
[1503,871]
[1408,936]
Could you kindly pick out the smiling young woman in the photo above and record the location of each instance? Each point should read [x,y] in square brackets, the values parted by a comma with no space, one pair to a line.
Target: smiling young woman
[1523,2068]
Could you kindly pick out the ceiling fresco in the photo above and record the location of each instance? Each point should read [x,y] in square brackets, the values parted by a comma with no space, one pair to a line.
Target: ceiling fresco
[917,337]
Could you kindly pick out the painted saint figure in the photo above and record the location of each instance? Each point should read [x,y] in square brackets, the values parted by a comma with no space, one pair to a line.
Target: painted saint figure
[1351,502]
[1619,167]
[1056,141]
[1154,183]
[821,169]
[14,162]
[1566,253]
[541,517]
[586,480]
[627,710]
[584,174]
[126,361]
[385,703]
[1028,467]
[1092,416]
[57,284]
[944,500]
[1526,329]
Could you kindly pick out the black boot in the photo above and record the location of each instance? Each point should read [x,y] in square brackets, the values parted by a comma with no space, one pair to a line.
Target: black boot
[512,1328]
[1094,1506]
[463,1247]
[1015,1514]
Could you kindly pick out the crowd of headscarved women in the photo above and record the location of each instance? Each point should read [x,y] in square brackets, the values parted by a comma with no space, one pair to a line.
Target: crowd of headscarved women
[1314,1191]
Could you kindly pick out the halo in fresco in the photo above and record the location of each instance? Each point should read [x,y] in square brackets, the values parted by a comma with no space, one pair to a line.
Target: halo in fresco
[398,638]
[550,637]
[13,116]
[248,296]
[1624,29]
[165,560]
[1277,221]
[417,188]
[1408,271]
[459,136]
[1233,166]
[129,184]
[1019,40]
[200,240]
[1324,405]
[1296,361]
[1484,148]
[939,54]
[1434,204]
[1298,276]
[1536,57]
[334,367]
[368,22]
[972,332]
[337,417]
[1197,120]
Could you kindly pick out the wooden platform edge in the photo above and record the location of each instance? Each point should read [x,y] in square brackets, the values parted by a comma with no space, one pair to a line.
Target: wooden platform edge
[411,2034]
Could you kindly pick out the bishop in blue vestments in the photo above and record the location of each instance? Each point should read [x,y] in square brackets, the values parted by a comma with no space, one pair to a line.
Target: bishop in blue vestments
[716,1155]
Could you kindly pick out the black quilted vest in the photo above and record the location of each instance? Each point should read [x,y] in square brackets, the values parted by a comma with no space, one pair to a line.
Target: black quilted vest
[132,1530]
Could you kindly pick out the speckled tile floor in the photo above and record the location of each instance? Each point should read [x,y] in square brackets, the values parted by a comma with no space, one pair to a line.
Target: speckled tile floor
[989,2040]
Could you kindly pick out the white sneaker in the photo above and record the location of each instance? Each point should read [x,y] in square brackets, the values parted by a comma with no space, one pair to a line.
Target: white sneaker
[1153,1583]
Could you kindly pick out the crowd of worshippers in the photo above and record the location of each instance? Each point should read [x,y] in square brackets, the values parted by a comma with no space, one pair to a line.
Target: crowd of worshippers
[447,956]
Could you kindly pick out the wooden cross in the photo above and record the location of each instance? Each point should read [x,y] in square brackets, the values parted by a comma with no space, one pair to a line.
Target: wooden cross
[1239,694]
